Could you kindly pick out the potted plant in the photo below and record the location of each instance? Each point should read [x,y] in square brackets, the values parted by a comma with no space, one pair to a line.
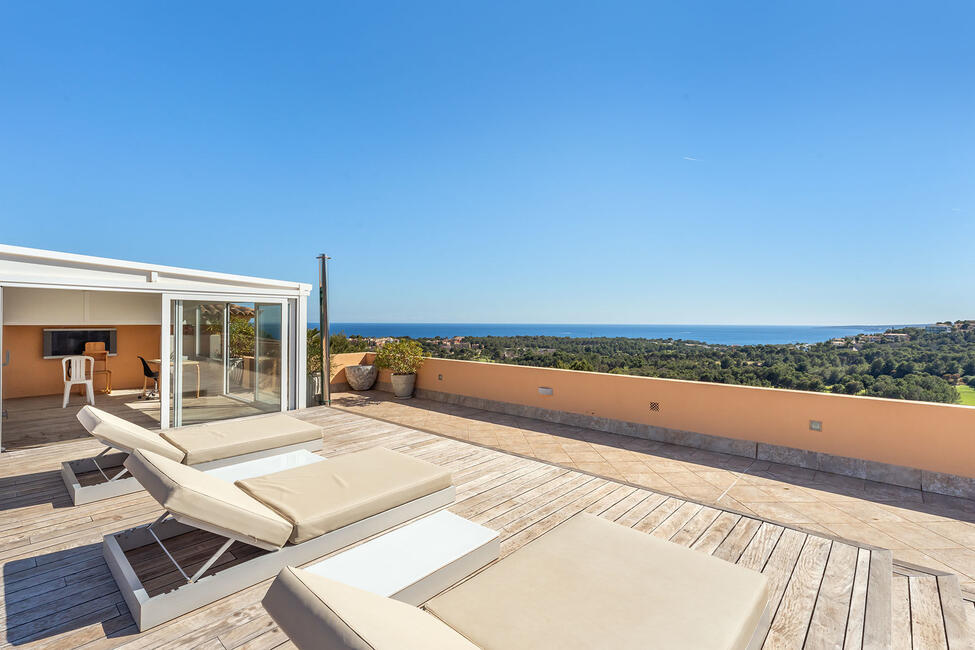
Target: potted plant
[403,357]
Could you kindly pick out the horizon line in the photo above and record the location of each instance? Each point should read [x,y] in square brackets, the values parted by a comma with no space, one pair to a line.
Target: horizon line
[354,322]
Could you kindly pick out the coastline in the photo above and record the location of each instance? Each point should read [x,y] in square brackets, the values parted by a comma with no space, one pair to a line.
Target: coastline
[712,334]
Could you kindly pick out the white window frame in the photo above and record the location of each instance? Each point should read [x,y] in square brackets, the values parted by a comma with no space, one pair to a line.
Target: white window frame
[287,327]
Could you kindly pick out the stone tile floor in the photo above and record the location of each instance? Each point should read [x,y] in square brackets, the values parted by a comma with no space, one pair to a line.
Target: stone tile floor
[930,530]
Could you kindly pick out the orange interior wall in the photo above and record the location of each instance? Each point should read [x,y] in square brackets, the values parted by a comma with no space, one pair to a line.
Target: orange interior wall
[30,374]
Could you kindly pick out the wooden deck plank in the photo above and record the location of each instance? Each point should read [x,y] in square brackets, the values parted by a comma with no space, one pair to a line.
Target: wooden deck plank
[717,532]
[957,632]
[680,517]
[877,616]
[649,503]
[624,505]
[833,603]
[778,569]
[760,546]
[853,638]
[900,604]
[695,526]
[791,622]
[738,539]
[927,624]
[659,514]
[49,550]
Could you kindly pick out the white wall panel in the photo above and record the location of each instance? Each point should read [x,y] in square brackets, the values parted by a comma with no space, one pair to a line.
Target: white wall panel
[57,307]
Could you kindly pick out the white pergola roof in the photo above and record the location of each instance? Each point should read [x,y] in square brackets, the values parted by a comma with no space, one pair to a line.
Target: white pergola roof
[33,267]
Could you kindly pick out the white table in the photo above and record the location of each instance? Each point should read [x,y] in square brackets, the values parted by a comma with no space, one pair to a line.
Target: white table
[261,466]
[415,562]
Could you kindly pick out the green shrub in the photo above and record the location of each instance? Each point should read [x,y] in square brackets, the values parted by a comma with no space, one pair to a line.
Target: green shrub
[403,357]
[313,352]
[242,337]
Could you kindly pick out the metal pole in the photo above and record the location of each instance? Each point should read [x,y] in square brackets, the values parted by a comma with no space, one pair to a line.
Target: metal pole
[323,259]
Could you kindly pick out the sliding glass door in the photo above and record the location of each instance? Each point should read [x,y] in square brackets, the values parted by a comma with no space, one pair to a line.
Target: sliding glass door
[267,354]
[226,359]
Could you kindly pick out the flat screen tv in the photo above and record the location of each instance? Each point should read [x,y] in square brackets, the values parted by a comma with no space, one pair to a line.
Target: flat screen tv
[63,342]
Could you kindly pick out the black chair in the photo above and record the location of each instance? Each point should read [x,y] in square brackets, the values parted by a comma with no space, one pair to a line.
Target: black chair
[149,374]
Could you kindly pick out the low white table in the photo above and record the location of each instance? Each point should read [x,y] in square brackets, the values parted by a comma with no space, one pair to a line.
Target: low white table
[416,562]
[261,466]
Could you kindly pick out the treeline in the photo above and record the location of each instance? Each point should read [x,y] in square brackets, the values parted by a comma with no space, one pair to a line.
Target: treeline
[925,368]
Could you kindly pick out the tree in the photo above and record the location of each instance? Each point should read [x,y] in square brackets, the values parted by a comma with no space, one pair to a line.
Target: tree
[313,351]
[340,343]
[872,368]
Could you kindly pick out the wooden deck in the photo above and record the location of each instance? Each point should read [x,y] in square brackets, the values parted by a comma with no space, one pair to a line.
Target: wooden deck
[39,421]
[58,592]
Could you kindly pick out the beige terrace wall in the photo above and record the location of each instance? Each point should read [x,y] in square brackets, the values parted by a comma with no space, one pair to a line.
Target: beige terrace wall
[935,437]
[340,361]
[761,422]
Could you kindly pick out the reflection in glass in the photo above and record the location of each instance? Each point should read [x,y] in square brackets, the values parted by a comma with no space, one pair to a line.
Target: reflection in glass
[228,361]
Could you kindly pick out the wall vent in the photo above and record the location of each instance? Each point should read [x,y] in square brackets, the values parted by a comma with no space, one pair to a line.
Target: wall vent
[655,406]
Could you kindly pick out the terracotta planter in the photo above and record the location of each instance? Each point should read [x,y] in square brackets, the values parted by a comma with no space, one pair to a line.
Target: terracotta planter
[360,377]
[403,385]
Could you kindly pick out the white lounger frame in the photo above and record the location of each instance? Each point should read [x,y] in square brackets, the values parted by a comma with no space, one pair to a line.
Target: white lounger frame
[151,611]
[121,484]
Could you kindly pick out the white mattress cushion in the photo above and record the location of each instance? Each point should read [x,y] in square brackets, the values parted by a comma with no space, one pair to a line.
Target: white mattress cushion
[321,614]
[196,497]
[229,438]
[123,435]
[592,583]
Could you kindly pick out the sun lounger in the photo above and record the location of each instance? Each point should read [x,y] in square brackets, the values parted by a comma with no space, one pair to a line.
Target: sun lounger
[206,446]
[222,537]
[588,583]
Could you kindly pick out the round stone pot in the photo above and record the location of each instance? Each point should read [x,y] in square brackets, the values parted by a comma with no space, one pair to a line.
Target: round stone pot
[403,385]
[361,377]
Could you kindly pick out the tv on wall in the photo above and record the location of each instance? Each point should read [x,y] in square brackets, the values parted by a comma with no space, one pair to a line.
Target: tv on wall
[64,342]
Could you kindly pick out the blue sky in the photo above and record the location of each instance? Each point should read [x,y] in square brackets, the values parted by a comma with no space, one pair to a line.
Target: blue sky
[523,162]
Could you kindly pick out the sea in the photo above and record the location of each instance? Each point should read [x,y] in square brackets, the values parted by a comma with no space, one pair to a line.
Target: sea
[717,334]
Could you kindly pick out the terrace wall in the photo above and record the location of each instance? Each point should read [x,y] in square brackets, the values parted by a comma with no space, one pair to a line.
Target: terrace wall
[913,444]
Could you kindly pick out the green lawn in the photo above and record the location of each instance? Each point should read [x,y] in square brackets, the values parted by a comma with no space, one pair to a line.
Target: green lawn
[967,395]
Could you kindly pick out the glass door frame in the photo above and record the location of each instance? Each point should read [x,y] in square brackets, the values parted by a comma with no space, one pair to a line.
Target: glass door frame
[258,345]
[167,397]
[4,359]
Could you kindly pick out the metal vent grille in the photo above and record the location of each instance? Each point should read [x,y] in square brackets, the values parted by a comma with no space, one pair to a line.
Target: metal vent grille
[655,406]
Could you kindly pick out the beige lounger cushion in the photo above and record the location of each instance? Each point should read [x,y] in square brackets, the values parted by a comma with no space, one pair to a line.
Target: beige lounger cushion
[206,501]
[323,497]
[219,440]
[321,614]
[123,435]
[591,583]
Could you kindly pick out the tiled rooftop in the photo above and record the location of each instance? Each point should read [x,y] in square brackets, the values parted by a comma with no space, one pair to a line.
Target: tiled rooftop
[57,591]
[921,528]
